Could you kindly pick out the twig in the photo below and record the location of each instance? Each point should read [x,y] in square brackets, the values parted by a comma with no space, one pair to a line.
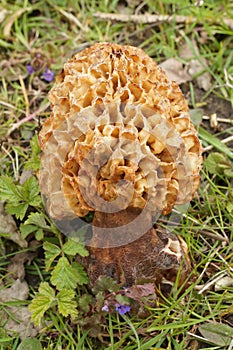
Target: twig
[214,236]
[156,19]
[218,277]
[226,140]
[196,336]
[143,19]
[73,19]
[221,120]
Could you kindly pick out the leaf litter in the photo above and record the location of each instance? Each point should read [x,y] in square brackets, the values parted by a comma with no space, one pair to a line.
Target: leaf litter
[17,319]
[216,333]
[16,266]
[187,67]
[9,228]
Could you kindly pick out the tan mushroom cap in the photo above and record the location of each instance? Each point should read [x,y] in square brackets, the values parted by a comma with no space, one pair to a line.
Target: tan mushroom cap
[119,136]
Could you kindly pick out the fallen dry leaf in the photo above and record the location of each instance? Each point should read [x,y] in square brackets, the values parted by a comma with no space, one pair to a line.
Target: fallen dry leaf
[18,291]
[26,174]
[223,283]
[21,323]
[8,227]
[176,71]
[136,292]
[16,266]
[196,66]
[204,80]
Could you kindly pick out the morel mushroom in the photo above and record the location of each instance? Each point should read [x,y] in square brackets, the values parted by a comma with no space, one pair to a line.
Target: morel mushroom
[119,143]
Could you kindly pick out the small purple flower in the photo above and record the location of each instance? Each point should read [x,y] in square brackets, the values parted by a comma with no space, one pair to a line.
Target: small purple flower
[48,75]
[122,309]
[105,308]
[30,69]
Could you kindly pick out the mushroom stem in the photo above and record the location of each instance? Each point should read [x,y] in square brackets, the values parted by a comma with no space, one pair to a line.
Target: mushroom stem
[156,256]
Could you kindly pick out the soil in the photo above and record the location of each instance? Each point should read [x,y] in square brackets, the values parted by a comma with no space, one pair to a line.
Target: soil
[211,104]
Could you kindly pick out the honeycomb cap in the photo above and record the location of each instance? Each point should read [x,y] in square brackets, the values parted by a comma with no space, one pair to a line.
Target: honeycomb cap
[119,135]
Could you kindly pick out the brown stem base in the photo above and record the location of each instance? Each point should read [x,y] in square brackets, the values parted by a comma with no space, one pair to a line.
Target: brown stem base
[156,256]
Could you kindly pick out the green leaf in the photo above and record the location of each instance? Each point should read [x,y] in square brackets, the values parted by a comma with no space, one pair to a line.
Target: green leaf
[30,191]
[81,273]
[39,234]
[5,339]
[37,219]
[217,333]
[26,230]
[41,302]
[122,299]
[30,344]
[51,252]
[34,161]
[99,301]
[66,303]
[217,163]
[68,276]
[196,116]
[8,190]
[72,247]
[19,210]
[213,140]
[19,197]
[105,283]
[229,207]
[84,303]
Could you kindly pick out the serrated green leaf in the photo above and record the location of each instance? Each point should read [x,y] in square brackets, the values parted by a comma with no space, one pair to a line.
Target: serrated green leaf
[84,302]
[99,301]
[18,198]
[30,344]
[105,283]
[81,273]
[66,303]
[72,247]
[30,191]
[25,230]
[41,302]
[34,161]
[216,333]
[37,219]
[8,190]
[63,275]
[51,252]
[34,143]
[39,234]
[19,210]
[68,276]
